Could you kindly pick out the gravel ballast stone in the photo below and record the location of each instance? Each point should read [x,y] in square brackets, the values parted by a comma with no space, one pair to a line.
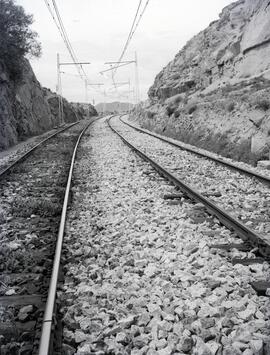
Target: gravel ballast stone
[140,276]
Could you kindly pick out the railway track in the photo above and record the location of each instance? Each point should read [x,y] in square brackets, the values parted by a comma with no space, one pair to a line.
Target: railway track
[142,276]
[187,186]
[32,190]
[7,167]
[244,170]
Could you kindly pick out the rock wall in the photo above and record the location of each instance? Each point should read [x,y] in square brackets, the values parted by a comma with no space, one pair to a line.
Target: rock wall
[27,109]
[84,110]
[215,92]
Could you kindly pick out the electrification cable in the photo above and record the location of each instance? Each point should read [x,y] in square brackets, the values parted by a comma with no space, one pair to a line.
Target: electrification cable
[132,31]
[65,34]
[54,19]
[61,28]
[129,37]
[73,55]
[141,15]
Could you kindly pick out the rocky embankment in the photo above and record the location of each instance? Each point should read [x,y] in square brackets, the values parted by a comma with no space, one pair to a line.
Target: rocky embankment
[215,92]
[85,110]
[27,109]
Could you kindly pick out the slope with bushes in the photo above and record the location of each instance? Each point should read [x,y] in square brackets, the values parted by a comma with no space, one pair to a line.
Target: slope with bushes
[26,108]
[215,92]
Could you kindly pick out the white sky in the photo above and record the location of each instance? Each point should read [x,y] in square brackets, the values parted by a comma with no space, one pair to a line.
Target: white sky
[98,29]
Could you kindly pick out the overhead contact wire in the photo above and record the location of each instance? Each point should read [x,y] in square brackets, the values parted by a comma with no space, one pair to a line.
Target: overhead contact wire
[129,35]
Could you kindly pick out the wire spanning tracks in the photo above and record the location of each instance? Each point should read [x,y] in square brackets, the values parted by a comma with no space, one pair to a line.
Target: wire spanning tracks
[245,171]
[31,196]
[247,234]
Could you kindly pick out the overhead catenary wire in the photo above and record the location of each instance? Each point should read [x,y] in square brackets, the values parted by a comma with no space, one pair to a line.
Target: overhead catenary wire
[129,35]
[132,31]
[141,15]
[78,76]
[66,36]
[56,22]
[61,28]
[54,19]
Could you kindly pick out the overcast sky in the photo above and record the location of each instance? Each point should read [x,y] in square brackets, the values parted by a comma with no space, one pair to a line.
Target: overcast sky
[98,29]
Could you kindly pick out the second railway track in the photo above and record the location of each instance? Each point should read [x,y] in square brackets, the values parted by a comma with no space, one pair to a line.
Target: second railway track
[239,167]
[144,267]
[28,149]
[261,242]
[142,275]
[31,194]
[244,198]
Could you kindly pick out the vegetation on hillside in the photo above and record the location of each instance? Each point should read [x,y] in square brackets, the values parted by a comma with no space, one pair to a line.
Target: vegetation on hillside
[17,39]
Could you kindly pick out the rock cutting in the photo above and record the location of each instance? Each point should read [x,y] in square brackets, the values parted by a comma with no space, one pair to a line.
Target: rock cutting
[140,224]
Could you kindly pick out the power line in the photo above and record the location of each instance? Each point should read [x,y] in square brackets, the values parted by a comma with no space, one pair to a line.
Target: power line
[141,15]
[73,56]
[132,30]
[129,35]
[61,28]
[54,19]
[68,41]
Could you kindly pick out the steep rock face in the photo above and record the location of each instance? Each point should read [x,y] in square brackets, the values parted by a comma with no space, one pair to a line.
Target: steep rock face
[32,111]
[230,50]
[28,109]
[218,84]
[8,130]
[84,110]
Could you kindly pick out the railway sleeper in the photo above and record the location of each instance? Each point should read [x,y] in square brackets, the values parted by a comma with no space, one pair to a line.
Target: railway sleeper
[239,246]
[247,261]
[224,218]
[261,287]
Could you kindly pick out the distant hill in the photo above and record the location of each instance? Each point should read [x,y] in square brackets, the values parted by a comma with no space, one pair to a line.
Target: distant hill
[113,106]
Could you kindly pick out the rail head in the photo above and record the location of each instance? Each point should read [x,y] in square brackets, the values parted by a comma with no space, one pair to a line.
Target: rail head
[28,152]
[245,171]
[224,217]
[48,319]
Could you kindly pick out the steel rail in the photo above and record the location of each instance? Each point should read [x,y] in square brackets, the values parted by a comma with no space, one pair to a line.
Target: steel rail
[260,241]
[26,154]
[45,340]
[233,166]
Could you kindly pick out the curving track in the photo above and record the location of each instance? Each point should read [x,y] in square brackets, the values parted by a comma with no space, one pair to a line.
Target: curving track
[234,166]
[6,168]
[31,193]
[142,276]
[200,182]
[224,193]
[45,346]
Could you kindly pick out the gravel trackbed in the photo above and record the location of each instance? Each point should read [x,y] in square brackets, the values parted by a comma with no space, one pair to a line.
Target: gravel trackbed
[140,276]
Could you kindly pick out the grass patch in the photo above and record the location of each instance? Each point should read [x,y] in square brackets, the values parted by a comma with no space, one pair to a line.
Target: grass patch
[3,215]
[150,114]
[170,110]
[176,113]
[262,104]
[25,207]
[191,108]
[230,106]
